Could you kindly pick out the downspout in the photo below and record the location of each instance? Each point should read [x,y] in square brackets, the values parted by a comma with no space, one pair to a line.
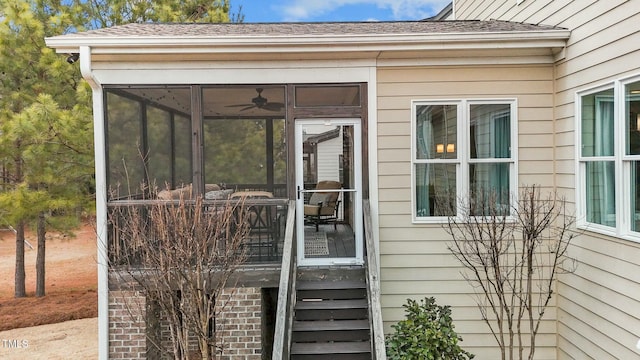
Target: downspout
[101,202]
[374,184]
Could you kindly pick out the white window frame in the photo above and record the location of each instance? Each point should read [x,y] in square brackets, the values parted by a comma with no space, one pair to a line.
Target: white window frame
[622,165]
[463,152]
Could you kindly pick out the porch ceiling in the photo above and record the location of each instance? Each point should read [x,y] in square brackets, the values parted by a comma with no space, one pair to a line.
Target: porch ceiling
[238,101]
[223,102]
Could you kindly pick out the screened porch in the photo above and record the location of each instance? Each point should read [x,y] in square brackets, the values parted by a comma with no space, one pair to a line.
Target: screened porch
[171,144]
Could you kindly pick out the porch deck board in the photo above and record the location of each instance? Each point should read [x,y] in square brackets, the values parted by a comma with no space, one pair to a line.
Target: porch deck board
[339,240]
[341,243]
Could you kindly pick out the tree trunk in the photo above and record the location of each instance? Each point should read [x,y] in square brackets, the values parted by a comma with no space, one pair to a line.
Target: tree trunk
[20,276]
[40,278]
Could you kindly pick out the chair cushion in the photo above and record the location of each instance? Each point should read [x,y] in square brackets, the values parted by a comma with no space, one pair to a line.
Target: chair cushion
[218,194]
[184,192]
[311,209]
[317,198]
[328,184]
[323,203]
[252,194]
[324,211]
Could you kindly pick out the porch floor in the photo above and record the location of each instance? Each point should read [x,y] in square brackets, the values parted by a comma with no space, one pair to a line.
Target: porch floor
[340,241]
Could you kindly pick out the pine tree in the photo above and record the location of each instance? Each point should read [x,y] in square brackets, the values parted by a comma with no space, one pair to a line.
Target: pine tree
[46,153]
[47,162]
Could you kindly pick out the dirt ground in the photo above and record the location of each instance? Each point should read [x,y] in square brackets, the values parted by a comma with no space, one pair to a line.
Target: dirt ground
[75,339]
[71,294]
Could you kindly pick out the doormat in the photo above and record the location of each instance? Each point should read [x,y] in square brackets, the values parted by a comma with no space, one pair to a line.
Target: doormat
[315,243]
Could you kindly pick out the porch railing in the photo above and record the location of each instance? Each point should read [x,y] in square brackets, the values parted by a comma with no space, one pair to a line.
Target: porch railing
[286,291]
[378,350]
[263,241]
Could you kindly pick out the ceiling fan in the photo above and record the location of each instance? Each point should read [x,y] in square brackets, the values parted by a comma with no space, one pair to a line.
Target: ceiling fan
[260,102]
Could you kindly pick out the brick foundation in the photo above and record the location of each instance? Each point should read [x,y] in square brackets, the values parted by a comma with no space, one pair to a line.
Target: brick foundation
[239,325]
[127,328]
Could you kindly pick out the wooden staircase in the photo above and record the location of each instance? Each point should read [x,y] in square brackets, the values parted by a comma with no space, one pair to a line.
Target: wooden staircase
[331,319]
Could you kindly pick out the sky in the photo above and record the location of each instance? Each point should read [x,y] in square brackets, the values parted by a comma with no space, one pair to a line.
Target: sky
[336,10]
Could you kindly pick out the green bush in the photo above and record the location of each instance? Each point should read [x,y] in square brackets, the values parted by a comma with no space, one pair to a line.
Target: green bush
[426,333]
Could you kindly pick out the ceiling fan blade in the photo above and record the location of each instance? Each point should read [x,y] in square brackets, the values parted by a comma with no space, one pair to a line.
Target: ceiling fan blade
[260,102]
[273,106]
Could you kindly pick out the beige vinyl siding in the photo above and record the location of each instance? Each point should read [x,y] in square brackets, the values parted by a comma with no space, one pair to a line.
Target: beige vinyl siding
[599,305]
[328,159]
[414,258]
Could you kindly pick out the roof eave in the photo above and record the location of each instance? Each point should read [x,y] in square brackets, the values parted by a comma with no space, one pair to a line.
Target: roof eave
[311,43]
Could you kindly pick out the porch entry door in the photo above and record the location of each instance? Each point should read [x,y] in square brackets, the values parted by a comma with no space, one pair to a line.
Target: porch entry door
[329,191]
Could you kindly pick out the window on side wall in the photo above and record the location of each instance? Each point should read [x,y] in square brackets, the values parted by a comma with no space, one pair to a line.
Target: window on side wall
[609,159]
[462,150]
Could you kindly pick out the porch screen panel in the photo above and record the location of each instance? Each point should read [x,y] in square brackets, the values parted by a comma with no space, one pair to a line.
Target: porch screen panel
[327,96]
[244,137]
[124,146]
[279,152]
[234,151]
[183,164]
[159,153]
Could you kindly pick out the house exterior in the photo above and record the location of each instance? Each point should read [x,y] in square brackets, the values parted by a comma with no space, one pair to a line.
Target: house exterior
[505,93]
[597,306]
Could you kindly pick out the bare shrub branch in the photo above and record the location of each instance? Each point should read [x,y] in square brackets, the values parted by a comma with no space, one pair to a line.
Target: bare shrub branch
[182,255]
[512,260]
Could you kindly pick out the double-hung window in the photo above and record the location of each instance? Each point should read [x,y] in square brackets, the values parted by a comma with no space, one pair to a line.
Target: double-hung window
[462,151]
[598,157]
[609,159]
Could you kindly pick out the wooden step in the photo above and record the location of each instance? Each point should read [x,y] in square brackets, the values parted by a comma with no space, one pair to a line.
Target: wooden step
[332,304]
[330,330]
[332,309]
[331,316]
[330,336]
[331,274]
[330,285]
[331,290]
[333,350]
[330,325]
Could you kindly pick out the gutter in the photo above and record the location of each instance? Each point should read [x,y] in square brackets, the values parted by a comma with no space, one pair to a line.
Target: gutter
[101,207]
[311,43]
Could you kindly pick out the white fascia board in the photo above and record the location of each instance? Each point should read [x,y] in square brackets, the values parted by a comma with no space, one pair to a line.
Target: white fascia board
[309,43]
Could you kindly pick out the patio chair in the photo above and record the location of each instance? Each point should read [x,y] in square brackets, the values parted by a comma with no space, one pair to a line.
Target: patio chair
[322,207]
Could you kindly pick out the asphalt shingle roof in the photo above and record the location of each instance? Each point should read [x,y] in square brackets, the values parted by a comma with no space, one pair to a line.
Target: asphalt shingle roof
[312,29]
